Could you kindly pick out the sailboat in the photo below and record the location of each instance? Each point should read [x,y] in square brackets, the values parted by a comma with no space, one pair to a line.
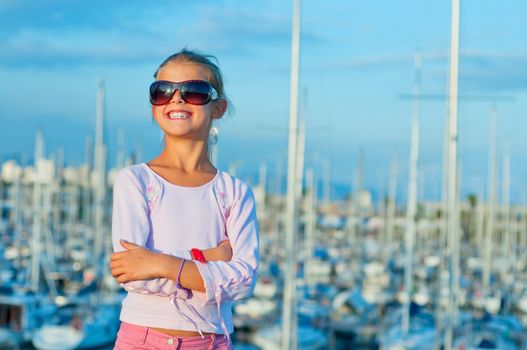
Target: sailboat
[413,328]
[94,321]
[22,305]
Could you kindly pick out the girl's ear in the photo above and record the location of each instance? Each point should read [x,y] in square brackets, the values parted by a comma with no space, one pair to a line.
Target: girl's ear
[219,108]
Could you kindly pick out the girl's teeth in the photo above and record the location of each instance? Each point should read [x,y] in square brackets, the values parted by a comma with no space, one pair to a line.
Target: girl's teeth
[178,115]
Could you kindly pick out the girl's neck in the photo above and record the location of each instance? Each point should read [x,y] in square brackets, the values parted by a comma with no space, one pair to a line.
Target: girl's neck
[187,155]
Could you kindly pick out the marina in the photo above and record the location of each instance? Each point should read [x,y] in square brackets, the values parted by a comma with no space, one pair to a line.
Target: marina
[350,287]
[360,270]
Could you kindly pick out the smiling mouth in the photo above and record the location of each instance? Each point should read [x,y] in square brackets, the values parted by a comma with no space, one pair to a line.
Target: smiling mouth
[179,115]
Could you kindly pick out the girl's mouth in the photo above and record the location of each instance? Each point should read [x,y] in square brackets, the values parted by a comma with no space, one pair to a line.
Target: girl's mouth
[178,115]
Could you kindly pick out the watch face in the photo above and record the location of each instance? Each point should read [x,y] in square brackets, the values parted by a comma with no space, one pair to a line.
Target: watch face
[198,255]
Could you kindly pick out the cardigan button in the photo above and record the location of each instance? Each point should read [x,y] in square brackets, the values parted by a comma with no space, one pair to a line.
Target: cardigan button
[170,341]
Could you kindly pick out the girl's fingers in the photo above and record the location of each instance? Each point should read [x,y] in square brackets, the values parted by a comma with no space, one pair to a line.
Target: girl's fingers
[122,278]
[225,243]
[117,256]
[128,245]
[115,264]
[117,271]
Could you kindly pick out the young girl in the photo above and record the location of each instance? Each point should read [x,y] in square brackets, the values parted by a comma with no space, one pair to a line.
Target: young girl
[176,218]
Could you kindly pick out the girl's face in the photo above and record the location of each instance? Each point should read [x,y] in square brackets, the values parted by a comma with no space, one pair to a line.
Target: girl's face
[178,118]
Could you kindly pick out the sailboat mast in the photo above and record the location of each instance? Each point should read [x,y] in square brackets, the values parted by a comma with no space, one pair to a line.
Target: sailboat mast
[121,149]
[390,210]
[300,158]
[262,183]
[508,252]
[36,239]
[327,181]
[487,267]
[359,185]
[100,183]
[452,219]
[411,208]
[291,204]
[310,221]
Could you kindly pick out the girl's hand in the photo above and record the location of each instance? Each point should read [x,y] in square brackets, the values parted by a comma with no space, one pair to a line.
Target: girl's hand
[136,263]
[223,252]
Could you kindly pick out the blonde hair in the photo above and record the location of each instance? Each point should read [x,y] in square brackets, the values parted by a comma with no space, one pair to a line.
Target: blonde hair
[214,73]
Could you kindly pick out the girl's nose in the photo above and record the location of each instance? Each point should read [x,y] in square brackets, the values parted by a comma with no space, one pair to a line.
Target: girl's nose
[177,98]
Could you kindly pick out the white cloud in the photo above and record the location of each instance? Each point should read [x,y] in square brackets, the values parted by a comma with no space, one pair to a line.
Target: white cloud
[139,32]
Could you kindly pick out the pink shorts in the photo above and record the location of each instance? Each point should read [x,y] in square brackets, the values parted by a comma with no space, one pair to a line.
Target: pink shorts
[132,337]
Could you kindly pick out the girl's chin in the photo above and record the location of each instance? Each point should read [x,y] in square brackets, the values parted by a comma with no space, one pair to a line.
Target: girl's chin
[183,135]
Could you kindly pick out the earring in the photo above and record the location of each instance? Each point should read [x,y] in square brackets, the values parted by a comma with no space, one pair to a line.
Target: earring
[213,135]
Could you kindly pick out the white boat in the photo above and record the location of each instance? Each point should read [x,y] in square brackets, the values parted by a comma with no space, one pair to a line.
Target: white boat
[94,330]
[254,312]
[57,337]
[308,338]
[265,289]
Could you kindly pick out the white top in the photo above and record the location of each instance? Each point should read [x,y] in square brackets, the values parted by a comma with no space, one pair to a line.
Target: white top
[164,217]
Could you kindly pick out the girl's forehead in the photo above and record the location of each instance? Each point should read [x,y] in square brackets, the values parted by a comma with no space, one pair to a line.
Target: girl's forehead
[181,71]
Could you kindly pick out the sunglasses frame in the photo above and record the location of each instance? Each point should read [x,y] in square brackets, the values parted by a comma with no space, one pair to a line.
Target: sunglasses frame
[211,96]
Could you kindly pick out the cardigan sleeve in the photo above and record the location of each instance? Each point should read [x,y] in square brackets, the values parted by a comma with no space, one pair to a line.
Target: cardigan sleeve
[130,222]
[235,279]
[130,219]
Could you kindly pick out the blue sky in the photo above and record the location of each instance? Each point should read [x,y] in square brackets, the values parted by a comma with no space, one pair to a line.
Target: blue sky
[357,59]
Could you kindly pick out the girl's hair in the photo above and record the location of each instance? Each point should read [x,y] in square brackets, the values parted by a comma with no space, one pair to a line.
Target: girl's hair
[213,71]
[214,76]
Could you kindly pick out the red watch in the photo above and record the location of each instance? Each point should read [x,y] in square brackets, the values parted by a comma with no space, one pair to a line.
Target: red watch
[197,254]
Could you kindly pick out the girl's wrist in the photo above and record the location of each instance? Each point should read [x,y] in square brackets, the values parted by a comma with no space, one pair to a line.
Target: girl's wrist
[209,254]
[165,264]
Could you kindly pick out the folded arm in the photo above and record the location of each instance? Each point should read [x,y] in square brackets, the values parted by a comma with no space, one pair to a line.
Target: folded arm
[234,279]
[141,270]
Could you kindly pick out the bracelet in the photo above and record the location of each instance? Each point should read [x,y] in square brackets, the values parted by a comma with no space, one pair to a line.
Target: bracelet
[178,285]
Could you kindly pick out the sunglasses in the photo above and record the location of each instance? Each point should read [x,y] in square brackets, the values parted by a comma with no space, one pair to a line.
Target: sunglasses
[194,92]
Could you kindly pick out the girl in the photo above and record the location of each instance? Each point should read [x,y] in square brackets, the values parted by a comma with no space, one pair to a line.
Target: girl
[167,210]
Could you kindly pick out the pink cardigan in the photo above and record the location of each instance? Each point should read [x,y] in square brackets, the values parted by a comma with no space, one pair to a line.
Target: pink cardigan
[154,213]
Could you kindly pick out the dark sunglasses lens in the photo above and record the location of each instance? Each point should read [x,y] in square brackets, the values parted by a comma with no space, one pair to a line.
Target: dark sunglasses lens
[195,92]
[160,93]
